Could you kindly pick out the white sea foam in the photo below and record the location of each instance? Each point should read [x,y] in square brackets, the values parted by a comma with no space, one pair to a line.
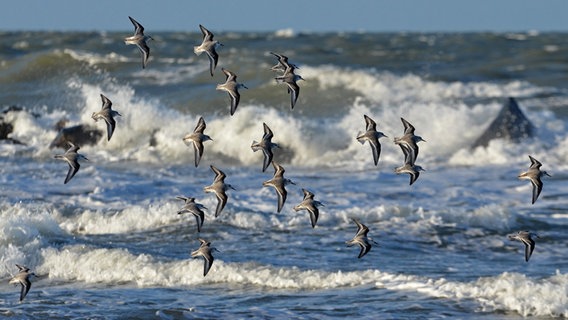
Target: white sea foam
[435,108]
[505,292]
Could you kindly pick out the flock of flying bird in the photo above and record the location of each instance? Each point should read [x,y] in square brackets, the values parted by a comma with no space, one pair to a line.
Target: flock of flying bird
[408,144]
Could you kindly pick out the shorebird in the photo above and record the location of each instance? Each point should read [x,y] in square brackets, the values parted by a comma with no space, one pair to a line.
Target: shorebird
[310,205]
[534,174]
[205,251]
[526,238]
[266,146]
[282,64]
[72,158]
[196,209]
[231,86]
[278,182]
[197,137]
[291,79]
[107,114]
[23,279]
[139,39]
[361,239]
[208,46]
[372,135]
[410,168]
[409,142]
[219,187]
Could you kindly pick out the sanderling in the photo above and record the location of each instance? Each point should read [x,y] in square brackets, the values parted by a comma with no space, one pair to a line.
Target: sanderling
[23,279]
[526,238]
[219,187]
[361,239]
[107,114]
[534,174]
[208,46]
[266,146]
[231,86]
[205,251]
[310,205]
[278,182]
[197,137]
[194,208]
[372,135]
[282,64]
[290,78]
[139,39]
[72,158]
[409,142]
[412,169]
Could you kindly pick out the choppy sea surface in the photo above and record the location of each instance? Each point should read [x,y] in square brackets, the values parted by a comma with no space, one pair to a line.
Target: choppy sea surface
[110,244]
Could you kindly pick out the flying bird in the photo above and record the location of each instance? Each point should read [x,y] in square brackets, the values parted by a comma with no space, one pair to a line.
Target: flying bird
[205,251]
[282,64]
[23,278]
[291,79]
[526,238]
[196,209]
[197,137]
[72,158]
[266,146]
[310,205]
[409,142]
[208,46]
[139,39]
[219,187]
[534,174]
[107,114]
[231,86]
[372,135]
[361,239]
[278,182]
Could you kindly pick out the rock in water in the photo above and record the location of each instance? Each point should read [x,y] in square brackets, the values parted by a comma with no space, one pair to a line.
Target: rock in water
[79,135]
[510,124]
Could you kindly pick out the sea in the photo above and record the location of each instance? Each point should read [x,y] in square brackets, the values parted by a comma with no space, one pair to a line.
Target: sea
[110,244]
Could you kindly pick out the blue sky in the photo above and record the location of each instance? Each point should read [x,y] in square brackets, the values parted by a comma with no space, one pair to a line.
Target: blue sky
[300,15]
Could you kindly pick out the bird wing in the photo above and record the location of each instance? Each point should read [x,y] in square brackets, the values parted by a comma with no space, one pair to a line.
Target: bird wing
[138,28]
[73,168]
[537,188]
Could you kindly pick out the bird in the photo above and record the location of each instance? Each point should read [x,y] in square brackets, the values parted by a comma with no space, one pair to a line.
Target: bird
[278,182]
[196,209]
[107,114]
[361,239]
[139,39]
[266,146]
[526,238]
[72,158]
[282,64]
[412,169]
[205,250]
[208,46]
[372,135]
[534,174]
[197,137]
[219,187]
[231,86]
[310,205]
[291,79]
[409,142]
[23,278]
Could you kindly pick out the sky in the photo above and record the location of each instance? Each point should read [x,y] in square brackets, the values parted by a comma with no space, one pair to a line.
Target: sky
[298,15]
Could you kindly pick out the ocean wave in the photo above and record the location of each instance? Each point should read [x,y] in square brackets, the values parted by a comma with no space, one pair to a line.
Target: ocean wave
[150,131]
[505,292]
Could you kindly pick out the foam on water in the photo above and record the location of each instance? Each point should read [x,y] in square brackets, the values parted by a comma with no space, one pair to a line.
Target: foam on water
[504,292]
[449,126]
